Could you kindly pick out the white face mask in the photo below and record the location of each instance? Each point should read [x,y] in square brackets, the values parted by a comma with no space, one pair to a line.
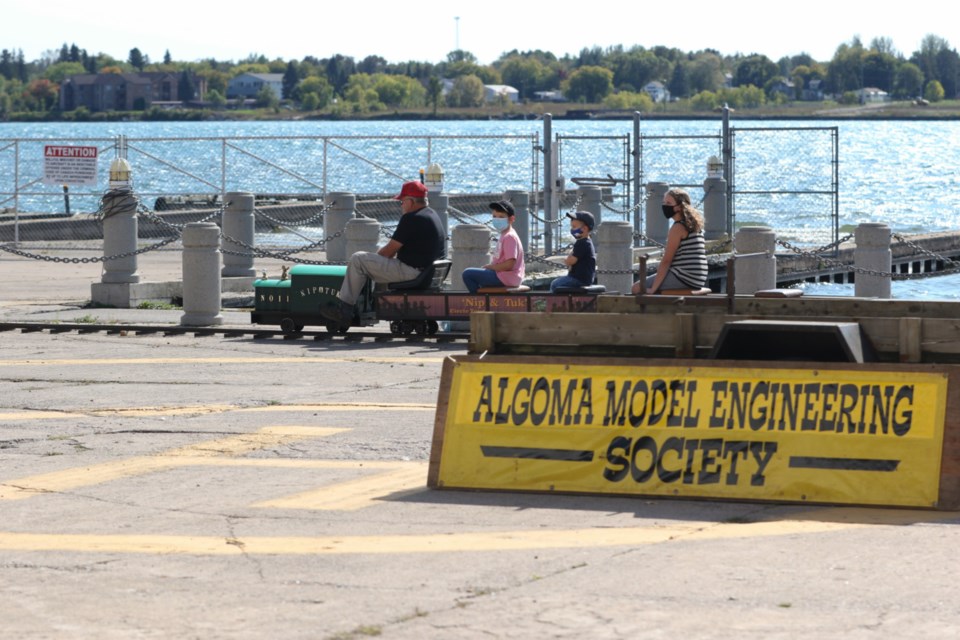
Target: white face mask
[499,223]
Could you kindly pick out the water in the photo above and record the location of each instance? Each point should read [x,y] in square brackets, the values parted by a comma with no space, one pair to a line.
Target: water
[902,173]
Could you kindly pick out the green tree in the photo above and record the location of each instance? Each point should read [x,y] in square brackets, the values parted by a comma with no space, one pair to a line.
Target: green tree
[216,99]
[320,87]
[398,91]
[754,70]
[291,77]
[705,73]
[705,101]
[589,84]
[310,102]
[166,57]
[629,100]
[467,91]
[136,59]
[58,72]
[434,93]
[845,71]
[186,89]
[526,75]
[934,91]
[266,98]
[907,80]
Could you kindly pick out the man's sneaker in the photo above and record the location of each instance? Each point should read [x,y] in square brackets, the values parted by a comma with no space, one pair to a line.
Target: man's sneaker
[339,312]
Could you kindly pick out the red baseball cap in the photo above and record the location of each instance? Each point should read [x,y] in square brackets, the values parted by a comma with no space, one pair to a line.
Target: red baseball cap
[412,189]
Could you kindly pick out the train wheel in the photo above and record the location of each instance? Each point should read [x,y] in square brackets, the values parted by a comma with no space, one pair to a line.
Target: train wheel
[288,326]
[432,327]
[335,329]
[395,327]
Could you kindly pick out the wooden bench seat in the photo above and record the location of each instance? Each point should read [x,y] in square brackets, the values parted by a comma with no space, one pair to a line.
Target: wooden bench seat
[519,289]
[685,292]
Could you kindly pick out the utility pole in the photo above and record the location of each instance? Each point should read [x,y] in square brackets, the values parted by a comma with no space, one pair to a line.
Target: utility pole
[456,40]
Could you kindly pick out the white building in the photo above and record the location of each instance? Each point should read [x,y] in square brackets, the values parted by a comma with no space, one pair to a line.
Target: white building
[657,91]
[492,93]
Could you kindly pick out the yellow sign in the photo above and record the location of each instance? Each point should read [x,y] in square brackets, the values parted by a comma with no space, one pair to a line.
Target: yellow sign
[837,435]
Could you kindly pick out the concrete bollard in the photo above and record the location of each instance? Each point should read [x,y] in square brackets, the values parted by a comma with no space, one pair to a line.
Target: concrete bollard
[362,234]
[590,200]
[119,236]
[615,253]
[714,208]
[238,223]
[471,248]
[657,226]
[873,253]
[755,273]
[201,275]
[340,210]
[521,205]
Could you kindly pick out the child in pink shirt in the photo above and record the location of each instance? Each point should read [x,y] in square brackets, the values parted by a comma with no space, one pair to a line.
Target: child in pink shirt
[507,267]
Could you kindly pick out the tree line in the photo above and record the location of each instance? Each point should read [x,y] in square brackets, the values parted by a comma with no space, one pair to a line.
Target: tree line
[614,76]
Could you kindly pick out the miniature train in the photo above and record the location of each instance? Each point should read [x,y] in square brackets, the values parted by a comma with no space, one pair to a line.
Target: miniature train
[415,306]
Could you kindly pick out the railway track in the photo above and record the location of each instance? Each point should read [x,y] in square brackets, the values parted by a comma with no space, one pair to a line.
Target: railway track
[225,332]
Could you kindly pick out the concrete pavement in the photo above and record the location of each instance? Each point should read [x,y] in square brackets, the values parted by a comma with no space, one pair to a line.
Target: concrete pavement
[180,487]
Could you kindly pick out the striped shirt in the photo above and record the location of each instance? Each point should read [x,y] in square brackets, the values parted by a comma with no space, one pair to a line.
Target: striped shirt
[690,261]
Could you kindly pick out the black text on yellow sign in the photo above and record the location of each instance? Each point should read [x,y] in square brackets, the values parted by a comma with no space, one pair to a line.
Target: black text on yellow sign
[862,437]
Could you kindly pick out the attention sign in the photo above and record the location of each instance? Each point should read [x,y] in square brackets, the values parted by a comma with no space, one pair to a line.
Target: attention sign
[70,165]
[805,435]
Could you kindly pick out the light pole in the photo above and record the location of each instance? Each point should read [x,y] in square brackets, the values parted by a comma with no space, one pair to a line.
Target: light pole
[456,40]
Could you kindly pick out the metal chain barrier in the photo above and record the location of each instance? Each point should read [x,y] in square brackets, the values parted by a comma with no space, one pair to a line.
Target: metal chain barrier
[302,223]
[286,255]
[954,265]
[36,256]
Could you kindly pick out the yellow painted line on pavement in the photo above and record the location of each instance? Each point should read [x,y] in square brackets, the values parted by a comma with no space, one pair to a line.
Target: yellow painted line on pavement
[312,359]
[216,408]
[394,544]
[356,494]
[59,481]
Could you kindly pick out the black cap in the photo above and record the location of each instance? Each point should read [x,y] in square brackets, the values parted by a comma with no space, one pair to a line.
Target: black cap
[503,205]
[585,217]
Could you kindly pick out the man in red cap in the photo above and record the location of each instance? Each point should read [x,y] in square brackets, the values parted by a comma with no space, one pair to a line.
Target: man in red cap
[418,240]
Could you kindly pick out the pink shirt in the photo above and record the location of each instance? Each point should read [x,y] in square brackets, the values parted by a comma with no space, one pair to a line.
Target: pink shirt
[508,247]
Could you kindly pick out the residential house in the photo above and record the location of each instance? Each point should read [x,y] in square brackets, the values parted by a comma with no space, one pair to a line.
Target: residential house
[248,85]
[784,87]
[549,96]
[493,92]
[119,91]
[657,91]
[813,91]
[872,94]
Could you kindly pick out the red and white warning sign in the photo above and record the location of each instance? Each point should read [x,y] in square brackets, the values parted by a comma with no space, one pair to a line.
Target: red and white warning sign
[69,165]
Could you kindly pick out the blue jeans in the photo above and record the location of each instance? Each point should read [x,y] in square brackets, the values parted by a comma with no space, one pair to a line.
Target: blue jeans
[565,281]
[475,278]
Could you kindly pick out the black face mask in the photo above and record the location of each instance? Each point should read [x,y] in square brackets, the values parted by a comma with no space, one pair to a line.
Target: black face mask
[668,211]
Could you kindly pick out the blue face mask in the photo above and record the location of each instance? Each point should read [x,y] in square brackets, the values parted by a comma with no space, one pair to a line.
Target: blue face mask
[499,223]
[576,233]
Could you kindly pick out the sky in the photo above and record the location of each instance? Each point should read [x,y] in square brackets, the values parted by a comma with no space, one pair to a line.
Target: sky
[428,30]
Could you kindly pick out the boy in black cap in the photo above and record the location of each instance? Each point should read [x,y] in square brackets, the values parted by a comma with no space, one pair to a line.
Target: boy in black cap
[582,260]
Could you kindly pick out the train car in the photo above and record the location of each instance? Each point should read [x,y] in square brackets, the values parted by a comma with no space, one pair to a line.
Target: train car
[417,306]
[293,300]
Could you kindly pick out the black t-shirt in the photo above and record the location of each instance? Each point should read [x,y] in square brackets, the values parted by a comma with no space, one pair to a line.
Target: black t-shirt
[421,234]
[586,266]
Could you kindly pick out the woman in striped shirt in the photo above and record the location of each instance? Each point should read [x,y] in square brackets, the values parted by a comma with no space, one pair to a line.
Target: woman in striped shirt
[684,261]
